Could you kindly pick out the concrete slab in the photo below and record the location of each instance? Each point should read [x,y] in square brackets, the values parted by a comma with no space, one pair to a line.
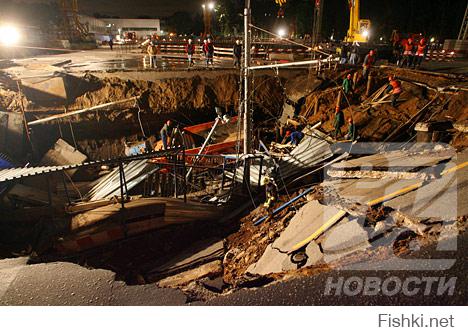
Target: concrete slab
[270,262]
[444,198]
[307,220]
[394,164]
[314,255]
[211,269]
[366,189]
[62,154]
[345,238]
[201,252]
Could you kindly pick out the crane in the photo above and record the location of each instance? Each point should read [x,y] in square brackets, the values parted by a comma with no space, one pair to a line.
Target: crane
[71,27]
[359,29]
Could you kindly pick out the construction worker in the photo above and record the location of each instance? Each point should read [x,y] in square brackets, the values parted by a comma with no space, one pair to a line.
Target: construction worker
[348,84]
[190,50]
[166,134]
[351,130]
[353,58]
[344,53]
[271,192]
[208,50]
[369,61]
[152,52]
[111,42]
[420,53]
[296,136]
[394,87]
[339,122]
[237,53]
[408,53]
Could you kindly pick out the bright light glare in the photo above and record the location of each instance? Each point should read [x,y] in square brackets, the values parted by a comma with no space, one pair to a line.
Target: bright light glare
[365,33]
[9,35]
[282,32]
[211,5]
[432,40]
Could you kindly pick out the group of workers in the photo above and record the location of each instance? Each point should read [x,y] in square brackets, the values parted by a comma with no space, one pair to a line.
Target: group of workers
[409,52]
[208,50]
[349,53]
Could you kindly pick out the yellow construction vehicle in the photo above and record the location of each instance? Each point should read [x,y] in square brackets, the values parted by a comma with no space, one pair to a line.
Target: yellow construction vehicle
[359,29]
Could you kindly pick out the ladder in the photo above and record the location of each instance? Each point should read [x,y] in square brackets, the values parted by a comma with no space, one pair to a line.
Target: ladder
[463,35]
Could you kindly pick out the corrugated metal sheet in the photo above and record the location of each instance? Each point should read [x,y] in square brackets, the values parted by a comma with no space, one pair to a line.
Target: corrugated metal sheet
[312,150]
[109,185]
[19,173]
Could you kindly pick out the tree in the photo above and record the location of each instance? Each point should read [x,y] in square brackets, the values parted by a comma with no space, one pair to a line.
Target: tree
[180,22]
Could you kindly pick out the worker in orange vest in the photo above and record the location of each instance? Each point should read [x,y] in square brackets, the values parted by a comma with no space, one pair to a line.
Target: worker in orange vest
[420,53]
[394,87]
[408,53]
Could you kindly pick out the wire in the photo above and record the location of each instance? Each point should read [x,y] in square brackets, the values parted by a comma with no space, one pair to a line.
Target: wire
[287,40]
[139,119]
[72,134]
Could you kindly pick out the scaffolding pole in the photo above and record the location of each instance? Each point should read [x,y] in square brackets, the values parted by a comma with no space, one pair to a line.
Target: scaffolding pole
[247,113]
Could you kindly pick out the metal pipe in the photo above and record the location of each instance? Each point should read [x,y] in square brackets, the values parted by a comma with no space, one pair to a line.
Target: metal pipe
[204,145]
[63,115]
[247,116]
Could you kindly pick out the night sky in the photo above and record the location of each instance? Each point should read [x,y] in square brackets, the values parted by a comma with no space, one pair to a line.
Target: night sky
[440,18]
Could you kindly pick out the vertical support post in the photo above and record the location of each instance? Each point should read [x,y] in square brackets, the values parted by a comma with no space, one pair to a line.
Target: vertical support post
[339,98]
[175,176]
[122,182]
[184,172]
[355,78]
[369,84]
[65,188]
[260,174]
[223,180]
[247,114]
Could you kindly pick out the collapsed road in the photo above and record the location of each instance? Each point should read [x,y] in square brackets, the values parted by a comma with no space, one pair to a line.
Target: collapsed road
[92,195]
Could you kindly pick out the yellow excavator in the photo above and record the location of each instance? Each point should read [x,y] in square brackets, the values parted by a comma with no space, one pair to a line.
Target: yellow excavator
[359,29]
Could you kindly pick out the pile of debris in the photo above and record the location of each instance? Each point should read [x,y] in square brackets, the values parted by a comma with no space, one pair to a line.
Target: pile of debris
[379,202]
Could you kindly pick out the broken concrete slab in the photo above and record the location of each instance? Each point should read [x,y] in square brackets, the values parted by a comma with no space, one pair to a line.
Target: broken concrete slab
[314,254]
[444,198]
[345,238]
[199,253]
[270,262]
[62,154]
[212,269]
[306,221]
[395,164]
[215,285]
[365,189]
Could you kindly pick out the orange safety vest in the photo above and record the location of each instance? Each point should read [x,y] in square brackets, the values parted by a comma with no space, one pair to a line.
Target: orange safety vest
[396,85]
[408,48]
[421,49]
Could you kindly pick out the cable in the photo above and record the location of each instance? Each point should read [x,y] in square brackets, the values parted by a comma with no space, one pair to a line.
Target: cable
[72,134]
[287,40]
[139,119]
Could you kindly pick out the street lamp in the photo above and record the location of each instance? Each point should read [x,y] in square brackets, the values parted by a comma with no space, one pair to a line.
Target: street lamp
[281,32]
[9,35]
[208,7]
